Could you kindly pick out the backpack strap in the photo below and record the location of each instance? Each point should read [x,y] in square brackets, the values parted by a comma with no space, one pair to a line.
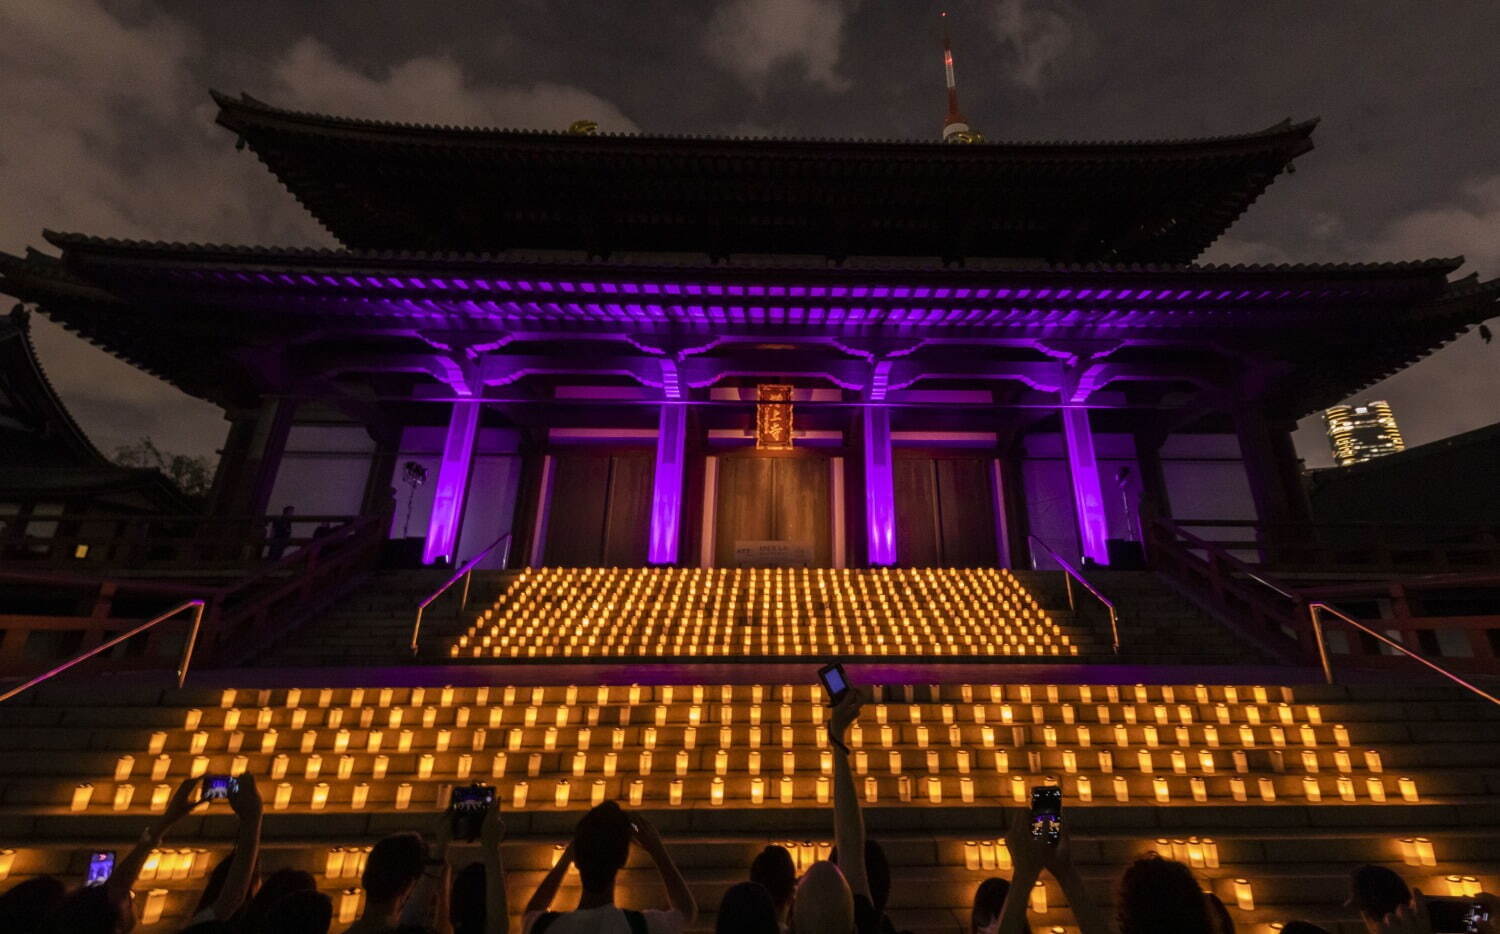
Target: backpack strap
[635,919]
[540,925]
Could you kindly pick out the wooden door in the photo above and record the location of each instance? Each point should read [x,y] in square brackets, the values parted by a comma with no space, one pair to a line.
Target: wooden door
[773,499]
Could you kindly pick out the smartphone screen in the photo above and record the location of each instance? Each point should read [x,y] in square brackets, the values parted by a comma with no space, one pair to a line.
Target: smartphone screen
[467,805]
[1455,915]
[217,787]
[1046,813]
[835,683]
[101,864]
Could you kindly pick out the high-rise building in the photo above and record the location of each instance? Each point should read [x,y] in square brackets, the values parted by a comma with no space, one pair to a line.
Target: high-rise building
[1358,433]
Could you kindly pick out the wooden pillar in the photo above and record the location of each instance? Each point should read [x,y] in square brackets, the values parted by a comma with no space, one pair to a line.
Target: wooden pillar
[252,456]
[528,500]
[379,482]
[1153,478]
[1262,455]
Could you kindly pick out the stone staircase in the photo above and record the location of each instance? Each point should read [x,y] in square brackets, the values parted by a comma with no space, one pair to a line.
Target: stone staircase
[1295,851]
[373,626]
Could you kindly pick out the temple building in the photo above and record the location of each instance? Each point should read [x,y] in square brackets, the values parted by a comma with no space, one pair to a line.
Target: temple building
[50,473]
[635,349]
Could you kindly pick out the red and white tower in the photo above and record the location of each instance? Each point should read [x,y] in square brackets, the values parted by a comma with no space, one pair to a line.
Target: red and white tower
[956,129]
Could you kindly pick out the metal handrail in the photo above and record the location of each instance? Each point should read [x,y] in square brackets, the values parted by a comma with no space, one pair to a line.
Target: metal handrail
[1218,549]
[1071,574]
[182,666]
[1315,608]
[467,573]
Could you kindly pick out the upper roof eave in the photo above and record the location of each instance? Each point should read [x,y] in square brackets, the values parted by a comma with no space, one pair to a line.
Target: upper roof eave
[272,256]
[240,113]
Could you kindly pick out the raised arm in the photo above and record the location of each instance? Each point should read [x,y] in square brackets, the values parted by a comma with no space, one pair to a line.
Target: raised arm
[848,819]
[1026,857]
[1059,861]
[679,896]
[546,890]
[245,800]
[496,906]
[184,799]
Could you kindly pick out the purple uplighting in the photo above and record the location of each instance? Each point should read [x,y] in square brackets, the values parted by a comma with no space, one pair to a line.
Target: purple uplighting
[1088,497]
[880,493]
[666,491]
[452,483]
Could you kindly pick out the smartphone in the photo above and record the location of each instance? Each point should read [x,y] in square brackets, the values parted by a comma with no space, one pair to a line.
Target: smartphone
[1046,813]
[467,806]
[1455,915]
[101,864]
[835,683]
[218,787]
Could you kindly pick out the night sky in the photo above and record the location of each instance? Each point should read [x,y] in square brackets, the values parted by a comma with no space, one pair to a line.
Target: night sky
[106,126]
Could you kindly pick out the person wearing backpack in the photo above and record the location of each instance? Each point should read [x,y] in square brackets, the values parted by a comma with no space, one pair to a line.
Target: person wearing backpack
[600,847]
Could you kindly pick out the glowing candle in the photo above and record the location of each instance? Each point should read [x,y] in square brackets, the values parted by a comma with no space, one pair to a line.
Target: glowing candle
[313,767]
[1199,789]
[348,905]
[403,796]
[1038,901]
[757,790]
[124,793]
[82,794]
[159,797]
[1372,761]
[320,796]
[1122,788]
[786,789]
[1408,788]
[1310,788]
[1244,898]
[1159,785]
[283,796]
[1376,789]
[156,902]
[1424,852]
[360,795]
[1267,789]
[674,792]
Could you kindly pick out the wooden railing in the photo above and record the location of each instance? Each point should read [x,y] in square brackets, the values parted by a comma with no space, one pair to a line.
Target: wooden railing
[120,542]
[1239,591]
[243,617]
[1273,608]
[1419,615]
[1383,547]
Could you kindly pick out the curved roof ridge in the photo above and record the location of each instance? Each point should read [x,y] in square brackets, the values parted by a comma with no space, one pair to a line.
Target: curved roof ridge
[245,102]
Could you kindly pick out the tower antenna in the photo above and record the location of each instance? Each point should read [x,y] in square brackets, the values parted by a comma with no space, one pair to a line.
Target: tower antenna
[956,129]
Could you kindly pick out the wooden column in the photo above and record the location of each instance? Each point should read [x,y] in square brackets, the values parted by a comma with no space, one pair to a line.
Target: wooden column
[251,458]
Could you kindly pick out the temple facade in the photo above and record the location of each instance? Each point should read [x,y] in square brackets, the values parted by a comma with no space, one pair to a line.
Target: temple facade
[631,350]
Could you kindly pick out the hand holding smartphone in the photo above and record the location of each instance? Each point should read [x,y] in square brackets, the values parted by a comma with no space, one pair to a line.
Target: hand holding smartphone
[101,866]
[467,807]
[835,682]
[217,788]
[1455,915]
[1046,814]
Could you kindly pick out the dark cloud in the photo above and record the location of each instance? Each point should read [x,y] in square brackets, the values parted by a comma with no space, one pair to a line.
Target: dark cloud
[108,128]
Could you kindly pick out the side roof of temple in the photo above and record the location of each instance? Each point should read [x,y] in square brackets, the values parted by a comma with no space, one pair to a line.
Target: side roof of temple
[377,185]
[45,455]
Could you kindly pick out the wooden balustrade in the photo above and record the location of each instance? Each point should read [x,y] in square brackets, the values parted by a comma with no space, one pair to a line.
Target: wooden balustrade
[1245,593]
[243,617]
[190,542]
[1385,547]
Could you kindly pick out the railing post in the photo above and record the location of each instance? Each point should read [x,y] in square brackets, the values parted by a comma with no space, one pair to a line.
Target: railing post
[1317,627]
